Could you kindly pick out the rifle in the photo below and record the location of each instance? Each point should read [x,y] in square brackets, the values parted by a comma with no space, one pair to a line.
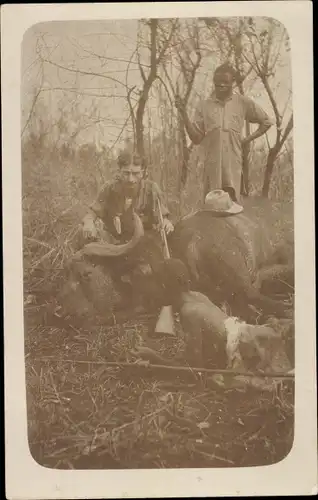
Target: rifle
[166,252]
[165,322]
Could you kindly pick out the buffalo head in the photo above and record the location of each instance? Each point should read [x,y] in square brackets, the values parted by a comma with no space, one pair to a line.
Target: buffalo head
[105,249]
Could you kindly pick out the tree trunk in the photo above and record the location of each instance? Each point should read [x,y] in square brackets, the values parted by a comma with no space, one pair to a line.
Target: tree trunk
[185,155]
[246,149]
[272,155]
[139,120]
[245,165]
[145,91]
[268,172]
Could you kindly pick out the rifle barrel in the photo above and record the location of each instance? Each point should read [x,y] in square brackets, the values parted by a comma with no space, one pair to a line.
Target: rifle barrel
[162,231]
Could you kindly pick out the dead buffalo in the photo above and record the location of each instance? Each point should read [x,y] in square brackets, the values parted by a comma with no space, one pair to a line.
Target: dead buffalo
[103,279]
[228,258]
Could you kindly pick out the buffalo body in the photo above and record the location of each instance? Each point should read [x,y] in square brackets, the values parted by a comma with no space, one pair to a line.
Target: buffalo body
[228,257]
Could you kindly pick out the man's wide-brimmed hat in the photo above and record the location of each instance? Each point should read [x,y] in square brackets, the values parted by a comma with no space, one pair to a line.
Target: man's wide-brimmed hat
[220,202]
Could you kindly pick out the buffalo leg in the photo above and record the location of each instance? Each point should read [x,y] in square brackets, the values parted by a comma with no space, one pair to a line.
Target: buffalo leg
[267,305]
[279,276]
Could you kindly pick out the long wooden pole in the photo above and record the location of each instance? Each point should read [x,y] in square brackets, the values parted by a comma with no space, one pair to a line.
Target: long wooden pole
[175,369]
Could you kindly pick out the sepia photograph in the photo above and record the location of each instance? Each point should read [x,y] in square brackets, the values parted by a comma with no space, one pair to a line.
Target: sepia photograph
[157,199]
[157,184]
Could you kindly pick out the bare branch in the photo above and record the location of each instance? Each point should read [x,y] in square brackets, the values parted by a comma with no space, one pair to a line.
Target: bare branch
[142,72]
[166,89]
[259,69]
[169,80]
[106,58]
[273,65]
[36,96]
[153,47]
[167,41]
[31,111]
[82,72]
[286,105]
[89,94]
[131,110]
[287,131]
[120,133]
[143,76]
[273,102]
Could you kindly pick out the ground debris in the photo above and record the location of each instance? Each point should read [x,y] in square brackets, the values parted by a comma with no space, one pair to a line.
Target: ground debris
[78,417]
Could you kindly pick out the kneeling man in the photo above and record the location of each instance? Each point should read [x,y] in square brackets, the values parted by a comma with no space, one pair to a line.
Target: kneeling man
[109,228]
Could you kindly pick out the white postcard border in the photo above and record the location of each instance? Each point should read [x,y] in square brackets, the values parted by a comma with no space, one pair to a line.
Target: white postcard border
[297,473]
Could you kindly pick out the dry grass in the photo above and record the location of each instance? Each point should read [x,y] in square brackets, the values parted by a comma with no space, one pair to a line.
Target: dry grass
[84,415]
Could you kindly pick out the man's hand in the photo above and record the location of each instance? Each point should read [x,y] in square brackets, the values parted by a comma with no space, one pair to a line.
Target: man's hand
[89,230]
[168,226]
[262,129]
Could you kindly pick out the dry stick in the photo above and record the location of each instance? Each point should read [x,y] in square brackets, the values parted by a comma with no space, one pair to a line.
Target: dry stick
[58,248]
[212,456]
[62,406]
[181,369]
[38,242]
[110,434]
[38,262]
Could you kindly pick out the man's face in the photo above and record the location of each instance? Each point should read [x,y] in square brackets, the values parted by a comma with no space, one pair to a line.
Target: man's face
[223,83]
[131,176]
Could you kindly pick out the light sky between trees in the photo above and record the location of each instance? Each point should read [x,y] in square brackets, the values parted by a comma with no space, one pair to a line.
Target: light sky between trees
[98,105]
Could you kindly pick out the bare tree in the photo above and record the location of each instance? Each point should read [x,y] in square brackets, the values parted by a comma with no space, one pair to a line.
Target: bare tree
[160,38]
[264,53]
[189,61]
[168,54]
[186,59]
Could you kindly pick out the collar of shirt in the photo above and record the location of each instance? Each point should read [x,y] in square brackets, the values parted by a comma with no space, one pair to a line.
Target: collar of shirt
[215,99]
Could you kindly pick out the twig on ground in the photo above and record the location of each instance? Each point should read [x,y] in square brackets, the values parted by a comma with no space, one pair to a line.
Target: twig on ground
[111,434]
[211,456]
[38,262]
[38,242]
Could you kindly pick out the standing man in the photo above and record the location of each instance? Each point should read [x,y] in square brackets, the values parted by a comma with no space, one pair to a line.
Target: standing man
[218,125]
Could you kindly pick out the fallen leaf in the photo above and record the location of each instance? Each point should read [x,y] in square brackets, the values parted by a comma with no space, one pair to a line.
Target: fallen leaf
[203,425]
